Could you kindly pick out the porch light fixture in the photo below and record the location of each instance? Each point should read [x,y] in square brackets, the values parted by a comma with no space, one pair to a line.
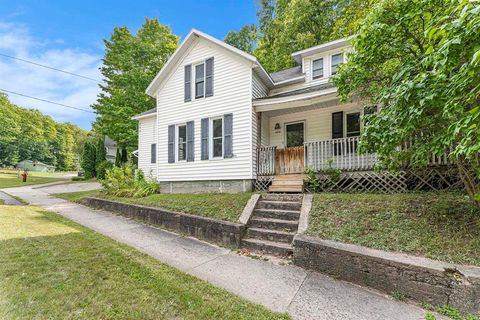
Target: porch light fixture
[277,126]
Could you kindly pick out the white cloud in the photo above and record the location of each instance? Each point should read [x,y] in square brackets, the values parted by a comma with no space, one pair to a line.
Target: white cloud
[18,76]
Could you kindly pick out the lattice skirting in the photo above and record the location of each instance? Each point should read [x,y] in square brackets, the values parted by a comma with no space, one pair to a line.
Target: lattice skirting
[262,183]
[435,178]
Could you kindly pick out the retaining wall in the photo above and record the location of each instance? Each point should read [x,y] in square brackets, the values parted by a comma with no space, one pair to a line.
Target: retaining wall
[420,279]
[222,232]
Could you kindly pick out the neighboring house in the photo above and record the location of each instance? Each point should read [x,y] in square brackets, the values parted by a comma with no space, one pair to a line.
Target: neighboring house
[110,149]
[223,123]
[30,165]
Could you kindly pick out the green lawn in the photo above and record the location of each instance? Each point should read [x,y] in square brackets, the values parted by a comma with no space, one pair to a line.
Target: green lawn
[442,226]
[52,268]
[10,180]
[221,206]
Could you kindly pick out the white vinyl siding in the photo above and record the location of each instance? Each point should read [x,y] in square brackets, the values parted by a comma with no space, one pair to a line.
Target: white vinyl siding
[318,123]
[146,137]
[232,87]
[259,89]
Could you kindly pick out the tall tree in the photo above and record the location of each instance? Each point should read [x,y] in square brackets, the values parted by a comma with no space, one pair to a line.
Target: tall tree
[420,60]
[351,17]
[27,134]
[245,39]
[291,25]
[129,65]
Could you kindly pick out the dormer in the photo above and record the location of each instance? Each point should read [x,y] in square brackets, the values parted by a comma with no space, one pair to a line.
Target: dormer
[320,62]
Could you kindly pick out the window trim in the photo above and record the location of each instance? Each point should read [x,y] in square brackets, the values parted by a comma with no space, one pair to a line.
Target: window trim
[345,123]
[323,68]
[177,141]
[211,138]
[285,124]
[195,78]
[331,61]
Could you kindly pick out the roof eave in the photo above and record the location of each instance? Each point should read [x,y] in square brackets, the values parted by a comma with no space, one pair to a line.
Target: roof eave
[298,55]
[139,117]
[263,102]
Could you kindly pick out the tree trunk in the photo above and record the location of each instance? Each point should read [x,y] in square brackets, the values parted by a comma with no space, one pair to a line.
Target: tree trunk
[470,179]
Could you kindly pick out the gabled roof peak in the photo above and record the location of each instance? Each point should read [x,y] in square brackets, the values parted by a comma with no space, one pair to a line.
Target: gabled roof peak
[181,50]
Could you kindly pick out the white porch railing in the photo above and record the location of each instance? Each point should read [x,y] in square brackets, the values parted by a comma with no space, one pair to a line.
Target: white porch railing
[337,153]
[333,153]
[266,161]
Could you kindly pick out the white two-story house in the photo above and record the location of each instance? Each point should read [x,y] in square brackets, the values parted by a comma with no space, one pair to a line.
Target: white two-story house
[223,123]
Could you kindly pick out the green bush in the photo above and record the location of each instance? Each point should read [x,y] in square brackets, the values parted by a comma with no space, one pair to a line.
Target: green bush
[102,168]
[88,159]
[125,182]
[78,179]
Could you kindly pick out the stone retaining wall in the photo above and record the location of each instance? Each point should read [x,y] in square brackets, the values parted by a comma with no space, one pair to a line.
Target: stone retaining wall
[420,279]
[222,232]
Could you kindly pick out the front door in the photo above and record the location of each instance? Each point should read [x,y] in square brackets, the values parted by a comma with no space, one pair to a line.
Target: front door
[291,158]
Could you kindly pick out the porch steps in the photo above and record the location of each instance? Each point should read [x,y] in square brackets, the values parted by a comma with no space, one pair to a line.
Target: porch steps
[273,224]
[287,183]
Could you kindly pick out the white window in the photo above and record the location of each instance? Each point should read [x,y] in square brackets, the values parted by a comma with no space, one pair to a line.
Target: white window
[337,59]
[182,143]
[217,137]
[200,80]
[352,124]
[317,69]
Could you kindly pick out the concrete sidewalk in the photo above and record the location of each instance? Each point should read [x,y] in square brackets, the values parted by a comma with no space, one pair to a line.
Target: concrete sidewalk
[303,294]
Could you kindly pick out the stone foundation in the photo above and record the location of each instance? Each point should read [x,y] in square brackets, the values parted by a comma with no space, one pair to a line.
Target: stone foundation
[221,232]
[208,186]
[420,279]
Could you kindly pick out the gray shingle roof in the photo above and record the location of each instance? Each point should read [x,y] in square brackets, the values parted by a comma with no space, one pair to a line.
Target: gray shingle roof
[287,74]
[319,87]
[153,110]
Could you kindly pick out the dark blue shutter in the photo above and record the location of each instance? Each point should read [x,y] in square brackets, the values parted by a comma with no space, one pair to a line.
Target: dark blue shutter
[188,83]
[209,78]
[337,125]
[204,132]
[227,135]
[337,132]
[190,141]
[153,153]
[171,144]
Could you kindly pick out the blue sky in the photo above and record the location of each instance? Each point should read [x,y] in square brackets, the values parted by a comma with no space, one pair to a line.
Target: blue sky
[68,35]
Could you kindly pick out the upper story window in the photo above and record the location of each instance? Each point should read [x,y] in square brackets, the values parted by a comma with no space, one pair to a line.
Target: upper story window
[182,142]
[337,59]
[199,80]
[317,68]
[200,76]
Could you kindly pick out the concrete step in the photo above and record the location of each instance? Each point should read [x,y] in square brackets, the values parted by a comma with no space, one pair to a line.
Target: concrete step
[282,197]
[277,214]
[289,189]
[270,235]
[279,205]
[274,224]
[268,247]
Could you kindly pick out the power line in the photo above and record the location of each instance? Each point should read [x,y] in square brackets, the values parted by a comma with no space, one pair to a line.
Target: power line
[51,68]
[44,100]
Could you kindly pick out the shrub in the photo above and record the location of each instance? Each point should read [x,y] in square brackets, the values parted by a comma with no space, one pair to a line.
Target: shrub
[102,168]
[125,182]
[88,159]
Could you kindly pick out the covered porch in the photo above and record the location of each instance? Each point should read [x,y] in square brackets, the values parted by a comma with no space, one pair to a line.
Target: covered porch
[319,133]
